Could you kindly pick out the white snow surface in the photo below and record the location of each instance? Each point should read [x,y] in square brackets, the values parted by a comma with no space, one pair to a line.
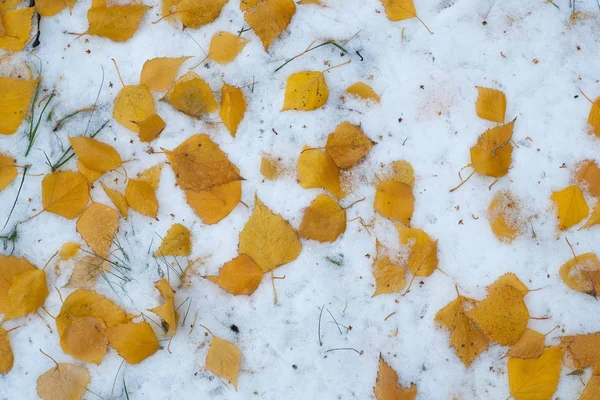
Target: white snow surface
[427,80]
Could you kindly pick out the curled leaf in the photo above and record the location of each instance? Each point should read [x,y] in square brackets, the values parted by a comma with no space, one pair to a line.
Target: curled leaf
[233,107]
[167,310]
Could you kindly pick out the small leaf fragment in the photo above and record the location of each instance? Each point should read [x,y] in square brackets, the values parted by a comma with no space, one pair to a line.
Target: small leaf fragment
[118,200]
[363,91]
[587,176]
[8,170]
[584,350]
[7,357]
[68,250]
[398,10]
[197,13]
[582,274]
[270,167]
[594,118]
[504,216]
[167,310]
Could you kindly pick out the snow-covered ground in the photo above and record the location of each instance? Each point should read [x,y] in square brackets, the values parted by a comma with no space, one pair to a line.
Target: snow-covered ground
[427,85]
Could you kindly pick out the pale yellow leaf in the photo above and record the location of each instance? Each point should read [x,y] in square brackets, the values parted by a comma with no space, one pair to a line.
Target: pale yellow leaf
[225,46]
[63,382]
[98,225]
[86,271]
[158,73]
[224,359]
[27,293]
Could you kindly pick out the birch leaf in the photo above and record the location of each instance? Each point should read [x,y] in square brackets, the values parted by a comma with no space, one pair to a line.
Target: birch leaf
[571,205]
[85,340]
[582,274]
[117,23]
[594,217]
[7,357]
[48,8]
[535,378]
[11,266]
[133,341]
[224,359]
[317,169]
[509,279]
[491,104]
[159,73]
[167,310]
[584,350]
[98,226]
[492,155]
[240,276]
[389,277]
[504,216]
[86,271]
[151,127]
[398,10]
[192,96]
[15,98]
[197,13]
[17,30]
[594,118]
[94,154]
[530,345]
[64,381]
[269,18]
[395,200]
[90,175]
[141,197]
[347,145]
[587,175]
[305,91]
[387,386]
[270,167]
[118,200]
[233,107]
[225,46]
[177,242]
[592,389]
[68,250]
[27,293]
[8,170]
[65,193]
[324,220]
[133,104]
[216,203]
[364,91]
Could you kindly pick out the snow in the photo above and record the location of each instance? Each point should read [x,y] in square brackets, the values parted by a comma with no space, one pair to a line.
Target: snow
[426,80]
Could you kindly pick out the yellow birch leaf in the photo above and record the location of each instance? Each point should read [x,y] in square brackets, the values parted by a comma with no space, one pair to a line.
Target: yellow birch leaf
[65,193]
[196,13]
[10,266]
[224,359]
[216,203]
[17,29]
[167,310]
[502,315]
[594,118]
[270,167]
[389,277]
[151,127]
[492,155]
[317,2]
[347,145]
[491,104]
[15,98]
[48,8]
[582,274]
[397,10]
[363,91]
[192,96]
[466,338]
[412,236]
[504,216]
[592,389]
[8,5]
[423,259]
[199,164]
[7,357]
[68,250]
[238,276]
[530,345]
[141,197]
[535,378]
[317,169]
[587,175]
[584,350]
[324,220]
[233,107]
[87,303]
[89,174]
[395,200]
[594,217]
[177,242]
[133,341]
[85,340]
[86,271]
[159,73]
[8,170]
[572,207]
[509,279]
[387,386]
[403,172]
[27,293]
[64,381]
[246,5]
[152,175]
[118,200]
[117,23]
[305,91]
[98,225]
[133,104]
[225,46]
[269,18]
[94,154]
[269,239]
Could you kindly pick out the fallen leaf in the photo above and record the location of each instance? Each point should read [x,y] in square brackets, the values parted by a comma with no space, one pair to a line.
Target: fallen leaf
[397,10]
[151,127]
[27,293]
[347,145]
[324,220]
[466,338]
[491,104]
[572,207]
[582,274]
[90,175]
[17,30]
[15,98]
[118,200]
[238,276]
[233,107]
[317,169]
[509,279]
[177,242]
[141,197]
[395,200]
[389,277]
[317,2]
[199,164]
[504,216]
[530,345]
[535,378]
[48,8]
[363,91]
[268,18]
[94,154]
[305,91]
[592,389]
[117,23]
[403,172]
[159,73]
[216,203]
[68,250]
[423,259]
[387,386]
[587,175]
[584,350]
[86,271]
[412,236]
[85,340]
[11,267]
[594,218]
[270,167]
[7,357]
[152,176]
[133,341]
[8,170]
[65,193]
[594,118]
[192,96]
[87,303]
[225,46]
[269,239]
[133,104]
[167,310]
[65,381]
[224,359]
[492,155]
[98,225]
[197,13]
[8,5]
[502,315]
